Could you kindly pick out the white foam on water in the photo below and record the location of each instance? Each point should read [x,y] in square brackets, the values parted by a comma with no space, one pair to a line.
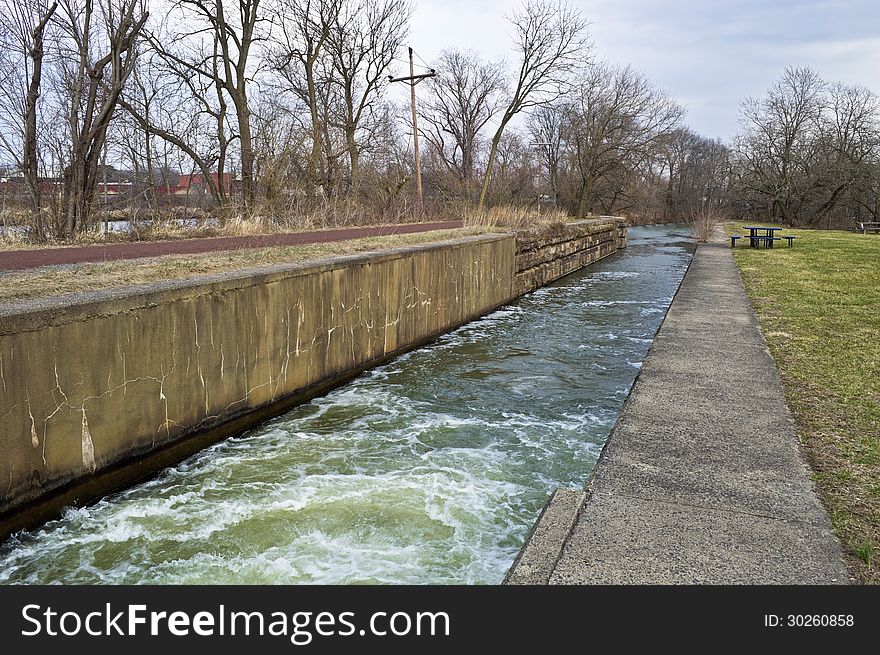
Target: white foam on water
[417,472]
[615,275]
[611,303]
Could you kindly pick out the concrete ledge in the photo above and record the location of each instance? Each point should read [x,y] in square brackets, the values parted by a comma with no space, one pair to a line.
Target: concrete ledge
[34,314]
[543,546]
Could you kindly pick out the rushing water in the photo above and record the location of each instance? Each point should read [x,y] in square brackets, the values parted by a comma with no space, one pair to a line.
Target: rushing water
[430,469]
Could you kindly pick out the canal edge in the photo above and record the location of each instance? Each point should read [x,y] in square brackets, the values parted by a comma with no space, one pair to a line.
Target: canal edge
[550,256]
[546,540]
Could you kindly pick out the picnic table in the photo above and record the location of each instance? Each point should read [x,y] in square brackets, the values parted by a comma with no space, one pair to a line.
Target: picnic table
[868,226]
[759,234]
[767,238]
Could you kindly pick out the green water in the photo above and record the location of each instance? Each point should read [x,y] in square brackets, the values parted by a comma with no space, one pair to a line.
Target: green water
[430,469]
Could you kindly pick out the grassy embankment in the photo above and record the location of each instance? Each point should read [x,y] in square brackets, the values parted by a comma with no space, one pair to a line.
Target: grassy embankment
[78,278]
[89,277]
[819,308]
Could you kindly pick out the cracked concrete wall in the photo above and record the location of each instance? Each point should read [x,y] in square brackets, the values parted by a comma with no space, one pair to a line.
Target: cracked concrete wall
[100,389]
[87,385]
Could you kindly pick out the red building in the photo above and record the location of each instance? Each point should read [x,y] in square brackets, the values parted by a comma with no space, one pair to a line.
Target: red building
[196,183]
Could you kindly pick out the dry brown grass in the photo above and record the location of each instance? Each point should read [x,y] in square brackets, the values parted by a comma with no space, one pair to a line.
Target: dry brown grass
[79,278]
[14,240]
[166,230]
[514,218]
[265,218]
[705,221]
[166,225]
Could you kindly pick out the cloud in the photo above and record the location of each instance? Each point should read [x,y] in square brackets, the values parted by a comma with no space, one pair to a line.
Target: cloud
[709,55]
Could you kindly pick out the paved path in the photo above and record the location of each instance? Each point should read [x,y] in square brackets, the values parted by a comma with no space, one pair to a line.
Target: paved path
[22,259]
[695,485]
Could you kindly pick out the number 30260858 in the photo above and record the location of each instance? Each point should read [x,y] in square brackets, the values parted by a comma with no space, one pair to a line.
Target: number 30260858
[808,620]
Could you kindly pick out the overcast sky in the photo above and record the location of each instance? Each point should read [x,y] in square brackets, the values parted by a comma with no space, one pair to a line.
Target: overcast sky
[709,54]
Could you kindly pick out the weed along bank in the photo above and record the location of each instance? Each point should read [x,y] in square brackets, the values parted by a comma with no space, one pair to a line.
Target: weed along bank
[101,389]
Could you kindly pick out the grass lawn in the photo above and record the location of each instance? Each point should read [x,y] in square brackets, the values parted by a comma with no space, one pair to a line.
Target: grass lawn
[819,308]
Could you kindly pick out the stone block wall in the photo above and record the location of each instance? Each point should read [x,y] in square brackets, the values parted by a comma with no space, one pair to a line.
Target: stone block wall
[547,255]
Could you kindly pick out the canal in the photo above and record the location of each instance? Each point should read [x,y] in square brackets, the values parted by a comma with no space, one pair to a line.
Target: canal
[429,469]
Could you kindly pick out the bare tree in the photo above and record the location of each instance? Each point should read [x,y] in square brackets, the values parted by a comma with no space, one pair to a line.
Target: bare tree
[806,148]
[22,28]
[698,174]
[850,137]
[94,84]
[865,195]
[617,122]
[552,41]
[363,39]
[676,150]
[546,124]
[176,100]
[777,145]
[466,96]
[305,29]
[281,149]
[515,171]
[153,107]
[235,29]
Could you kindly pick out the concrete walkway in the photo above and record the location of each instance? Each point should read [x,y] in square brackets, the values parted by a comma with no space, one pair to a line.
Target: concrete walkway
[702,480]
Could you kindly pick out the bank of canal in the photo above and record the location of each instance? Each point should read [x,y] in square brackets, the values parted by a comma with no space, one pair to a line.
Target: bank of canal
[430,469]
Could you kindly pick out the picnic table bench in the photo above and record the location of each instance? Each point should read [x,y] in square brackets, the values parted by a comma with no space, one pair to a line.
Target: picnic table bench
[868,226]
[759,235]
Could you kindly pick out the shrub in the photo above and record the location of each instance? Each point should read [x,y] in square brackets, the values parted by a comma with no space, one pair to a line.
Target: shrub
[704,222]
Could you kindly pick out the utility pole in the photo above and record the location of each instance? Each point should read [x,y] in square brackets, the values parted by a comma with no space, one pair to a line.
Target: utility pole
[414,79]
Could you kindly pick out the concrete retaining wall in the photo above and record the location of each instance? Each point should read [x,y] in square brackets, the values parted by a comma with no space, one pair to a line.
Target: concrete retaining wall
[101,390]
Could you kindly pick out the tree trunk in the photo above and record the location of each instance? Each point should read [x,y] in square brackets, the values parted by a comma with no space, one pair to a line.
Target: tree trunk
[30,160]
[81,184]
[217,190]
[148,150]
[247,151]
[493,152]
[354,160]
[584,204]
[93,100]
[314,155]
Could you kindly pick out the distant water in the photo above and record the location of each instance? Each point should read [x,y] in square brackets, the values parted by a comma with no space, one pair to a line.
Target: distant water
[117,226]
[430,469]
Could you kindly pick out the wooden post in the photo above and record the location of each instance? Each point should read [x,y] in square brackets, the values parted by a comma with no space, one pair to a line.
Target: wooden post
[418,157]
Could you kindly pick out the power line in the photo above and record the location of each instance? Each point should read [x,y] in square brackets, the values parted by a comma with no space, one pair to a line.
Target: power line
[422,60]
[404,61]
